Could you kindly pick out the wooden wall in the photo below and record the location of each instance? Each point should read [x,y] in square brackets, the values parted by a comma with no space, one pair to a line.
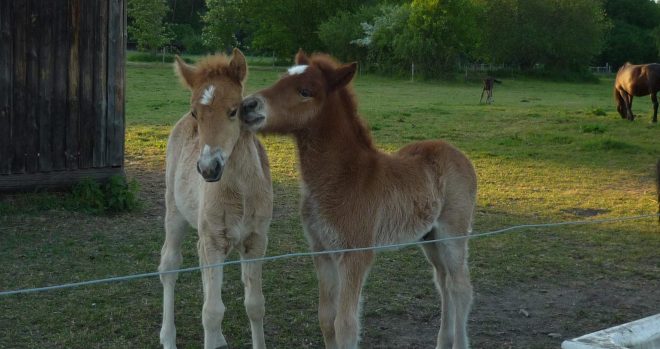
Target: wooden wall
[62,72]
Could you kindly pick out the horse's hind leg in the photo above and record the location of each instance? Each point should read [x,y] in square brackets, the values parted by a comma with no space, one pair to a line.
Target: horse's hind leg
[630,103]
[170,259]
[654,99]
[254,246]
[446,332]
[212,250]
[449,259]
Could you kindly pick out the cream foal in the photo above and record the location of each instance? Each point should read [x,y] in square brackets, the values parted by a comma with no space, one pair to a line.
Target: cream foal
[218,181]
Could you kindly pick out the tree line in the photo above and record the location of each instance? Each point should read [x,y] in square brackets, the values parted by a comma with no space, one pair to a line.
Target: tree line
[390,35]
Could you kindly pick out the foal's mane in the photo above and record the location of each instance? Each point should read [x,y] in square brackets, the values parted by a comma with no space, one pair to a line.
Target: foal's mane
[347,98]
[211,67]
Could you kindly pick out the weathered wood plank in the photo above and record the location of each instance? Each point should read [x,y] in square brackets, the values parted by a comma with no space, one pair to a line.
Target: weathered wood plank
[73,90]
[54,179]
[6,94]
[19,86]
[117,148]
[87,51]
[115,65]
[60,77]
[100,83]
[31,130]
[44,110]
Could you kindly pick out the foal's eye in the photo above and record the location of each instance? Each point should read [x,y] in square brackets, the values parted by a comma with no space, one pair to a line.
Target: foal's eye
[232,113]
[192,112]
[305,92]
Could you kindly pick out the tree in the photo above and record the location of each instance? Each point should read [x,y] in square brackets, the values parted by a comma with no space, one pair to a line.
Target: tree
[146,24]
[270,27]
[340,34]
[437,33]
[632,35]
[224,24]
[562,34]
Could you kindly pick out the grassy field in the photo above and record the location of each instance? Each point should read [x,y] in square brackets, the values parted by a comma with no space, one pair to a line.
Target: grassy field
[544,152]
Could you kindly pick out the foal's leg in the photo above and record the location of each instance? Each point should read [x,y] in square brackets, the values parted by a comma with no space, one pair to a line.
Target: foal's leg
[453,256]
[212,250]
[170,259]
[446,332]
[654,99]
[352,270]
[326,271]
[254,246]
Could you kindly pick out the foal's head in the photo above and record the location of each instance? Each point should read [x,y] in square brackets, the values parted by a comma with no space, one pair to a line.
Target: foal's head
[216,86]
[299,96]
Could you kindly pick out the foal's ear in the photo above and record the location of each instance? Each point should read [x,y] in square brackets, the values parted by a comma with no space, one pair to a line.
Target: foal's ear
[185,72]
[238,66]
[301,57]
[341,76]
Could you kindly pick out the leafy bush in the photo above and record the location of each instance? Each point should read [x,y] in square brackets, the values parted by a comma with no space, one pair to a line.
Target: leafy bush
[116,195]
[120,194]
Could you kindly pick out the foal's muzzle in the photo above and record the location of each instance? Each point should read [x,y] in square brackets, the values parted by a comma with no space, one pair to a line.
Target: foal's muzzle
[251,113]
[211,173]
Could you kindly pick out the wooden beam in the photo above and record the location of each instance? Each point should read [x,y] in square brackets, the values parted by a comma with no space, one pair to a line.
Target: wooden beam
[54,179]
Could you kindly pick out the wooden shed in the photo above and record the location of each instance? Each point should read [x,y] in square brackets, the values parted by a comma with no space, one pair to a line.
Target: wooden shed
[62,84]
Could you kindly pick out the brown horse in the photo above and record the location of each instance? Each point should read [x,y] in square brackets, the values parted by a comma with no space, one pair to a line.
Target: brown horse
[354,195]
[489,85]
[636,80]
[217,181]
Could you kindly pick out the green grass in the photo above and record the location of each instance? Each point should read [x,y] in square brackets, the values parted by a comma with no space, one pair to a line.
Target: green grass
[544,152]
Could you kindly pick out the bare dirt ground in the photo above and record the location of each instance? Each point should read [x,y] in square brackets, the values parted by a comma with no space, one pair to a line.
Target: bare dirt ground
[534,315]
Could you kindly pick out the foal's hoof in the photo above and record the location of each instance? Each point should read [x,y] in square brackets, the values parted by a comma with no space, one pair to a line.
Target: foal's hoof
[223,347]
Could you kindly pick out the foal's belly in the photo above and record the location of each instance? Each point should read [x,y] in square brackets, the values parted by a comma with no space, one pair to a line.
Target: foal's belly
[392,223]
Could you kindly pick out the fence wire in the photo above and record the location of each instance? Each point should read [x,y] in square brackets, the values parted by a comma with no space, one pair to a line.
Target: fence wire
[318,253]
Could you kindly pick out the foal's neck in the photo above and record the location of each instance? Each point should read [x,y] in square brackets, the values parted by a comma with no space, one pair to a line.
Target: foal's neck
[336,140]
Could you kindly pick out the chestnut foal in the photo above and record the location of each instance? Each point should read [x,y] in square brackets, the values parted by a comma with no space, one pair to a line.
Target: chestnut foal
[354,195]
[218,181]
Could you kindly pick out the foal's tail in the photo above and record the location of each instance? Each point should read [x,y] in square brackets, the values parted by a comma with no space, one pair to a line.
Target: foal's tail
[620,104]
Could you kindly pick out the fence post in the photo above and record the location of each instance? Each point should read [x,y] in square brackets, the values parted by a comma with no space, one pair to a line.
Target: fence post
[412,71]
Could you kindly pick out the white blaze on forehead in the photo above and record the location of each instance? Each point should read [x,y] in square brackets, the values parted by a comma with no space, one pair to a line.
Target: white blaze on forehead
[208,95]
[297,69]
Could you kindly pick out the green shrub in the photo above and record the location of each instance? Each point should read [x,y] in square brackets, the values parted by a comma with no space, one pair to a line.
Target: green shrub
[116,195]
[120,194]
[87,196]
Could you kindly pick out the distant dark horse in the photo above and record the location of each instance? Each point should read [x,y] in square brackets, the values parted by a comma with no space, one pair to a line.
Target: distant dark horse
[636,80]
[488,88]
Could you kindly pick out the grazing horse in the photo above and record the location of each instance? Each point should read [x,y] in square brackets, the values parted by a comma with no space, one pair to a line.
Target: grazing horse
[636,80]
[218,181]
[489,84]
[354,195]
